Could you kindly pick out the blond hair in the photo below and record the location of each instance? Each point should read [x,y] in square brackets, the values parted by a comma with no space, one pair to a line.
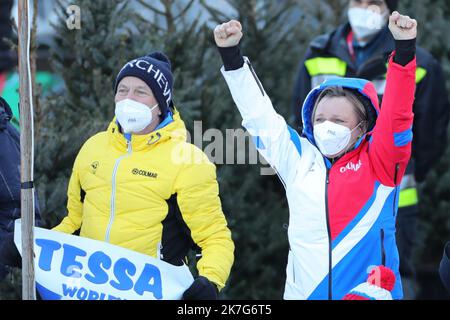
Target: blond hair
[336,92]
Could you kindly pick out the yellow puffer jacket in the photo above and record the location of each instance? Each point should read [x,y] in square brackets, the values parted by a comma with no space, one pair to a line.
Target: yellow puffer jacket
[157,195]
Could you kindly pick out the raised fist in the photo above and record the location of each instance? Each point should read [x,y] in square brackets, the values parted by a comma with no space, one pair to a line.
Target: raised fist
[402,27]
[228,34]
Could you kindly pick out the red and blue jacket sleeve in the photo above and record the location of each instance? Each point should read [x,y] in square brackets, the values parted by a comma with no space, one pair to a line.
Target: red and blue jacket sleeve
[390,145]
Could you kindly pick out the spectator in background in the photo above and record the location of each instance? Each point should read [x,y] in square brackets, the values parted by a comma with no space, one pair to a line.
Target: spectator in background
[360,48]
[9,190]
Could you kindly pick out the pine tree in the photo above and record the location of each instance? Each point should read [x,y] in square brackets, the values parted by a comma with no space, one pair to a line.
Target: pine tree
[87,59]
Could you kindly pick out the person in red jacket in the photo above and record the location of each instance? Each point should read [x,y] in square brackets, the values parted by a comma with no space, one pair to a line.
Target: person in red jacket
[359,49]
[342,176]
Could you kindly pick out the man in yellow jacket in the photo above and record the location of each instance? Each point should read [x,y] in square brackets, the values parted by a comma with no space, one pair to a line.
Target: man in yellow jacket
[141,186]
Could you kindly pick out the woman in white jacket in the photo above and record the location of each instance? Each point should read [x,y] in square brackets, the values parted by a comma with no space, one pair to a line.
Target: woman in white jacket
[342,174]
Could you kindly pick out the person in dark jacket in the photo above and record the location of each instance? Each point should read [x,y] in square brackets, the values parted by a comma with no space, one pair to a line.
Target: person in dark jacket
[9,190]
[360,49]
[444,267]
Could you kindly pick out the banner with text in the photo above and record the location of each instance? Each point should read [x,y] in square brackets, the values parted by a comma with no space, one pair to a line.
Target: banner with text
[77,268]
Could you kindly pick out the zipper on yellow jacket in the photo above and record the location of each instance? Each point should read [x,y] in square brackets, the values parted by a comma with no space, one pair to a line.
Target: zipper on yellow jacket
[113,191]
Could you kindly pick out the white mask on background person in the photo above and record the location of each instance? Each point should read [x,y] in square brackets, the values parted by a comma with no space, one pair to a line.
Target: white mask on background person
[365,22]
[332,138]
[133,116]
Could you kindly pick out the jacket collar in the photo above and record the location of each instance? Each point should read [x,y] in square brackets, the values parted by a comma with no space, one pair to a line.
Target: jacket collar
[173,130]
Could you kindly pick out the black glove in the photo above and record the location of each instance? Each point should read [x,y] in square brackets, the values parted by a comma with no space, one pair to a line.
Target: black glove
[201,289]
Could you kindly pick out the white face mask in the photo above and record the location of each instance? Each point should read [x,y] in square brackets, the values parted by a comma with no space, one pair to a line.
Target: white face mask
[332,138]
[365,22]
[133,116]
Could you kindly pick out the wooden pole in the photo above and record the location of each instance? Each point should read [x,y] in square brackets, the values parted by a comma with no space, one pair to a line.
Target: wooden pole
[27,153]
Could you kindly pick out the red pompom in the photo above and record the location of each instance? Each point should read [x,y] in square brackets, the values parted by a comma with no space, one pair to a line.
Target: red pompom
[382,277]
[354,296]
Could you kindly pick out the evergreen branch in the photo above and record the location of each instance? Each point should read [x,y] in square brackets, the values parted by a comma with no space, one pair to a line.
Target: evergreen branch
[13,46]
[216,14]
[170,21]
[144,21]
[15,29]
[183,11]
[124,6]
[61,13]
[152,8]
[34,86]
[278,15]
